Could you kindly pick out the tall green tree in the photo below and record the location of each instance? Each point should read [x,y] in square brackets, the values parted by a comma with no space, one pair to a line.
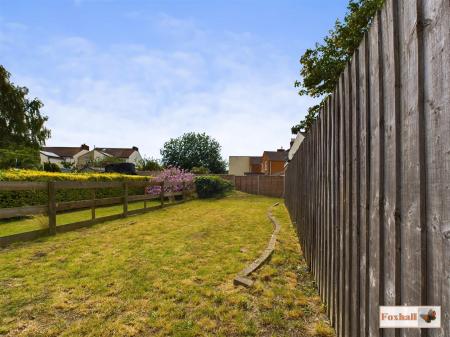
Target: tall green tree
[193,150]
[21,122]
[322,65]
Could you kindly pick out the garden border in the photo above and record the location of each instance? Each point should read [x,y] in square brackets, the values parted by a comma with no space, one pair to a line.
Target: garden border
[242,277]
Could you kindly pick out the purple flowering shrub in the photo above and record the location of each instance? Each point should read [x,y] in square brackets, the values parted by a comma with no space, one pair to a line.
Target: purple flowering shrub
[173,178]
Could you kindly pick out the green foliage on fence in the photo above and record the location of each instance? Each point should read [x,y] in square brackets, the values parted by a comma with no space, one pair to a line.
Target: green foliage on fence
[25,198]
[212,186]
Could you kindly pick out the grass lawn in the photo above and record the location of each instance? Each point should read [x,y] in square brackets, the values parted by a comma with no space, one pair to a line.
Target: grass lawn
[163,273]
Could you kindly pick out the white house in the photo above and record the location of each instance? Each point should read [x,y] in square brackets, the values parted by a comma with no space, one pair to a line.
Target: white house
[128,155]
[59,154]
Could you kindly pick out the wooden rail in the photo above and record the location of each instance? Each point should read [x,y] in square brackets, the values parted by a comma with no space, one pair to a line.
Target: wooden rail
[53,207]
[369,187]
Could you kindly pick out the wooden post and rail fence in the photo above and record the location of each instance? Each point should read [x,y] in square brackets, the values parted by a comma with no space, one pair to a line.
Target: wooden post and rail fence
[369,188]
[53,207]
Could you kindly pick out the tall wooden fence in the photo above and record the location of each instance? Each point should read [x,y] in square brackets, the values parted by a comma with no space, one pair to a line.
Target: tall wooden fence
[369,188]
[271,186]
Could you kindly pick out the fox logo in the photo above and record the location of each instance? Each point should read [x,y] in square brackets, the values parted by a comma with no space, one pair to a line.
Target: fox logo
[430,316]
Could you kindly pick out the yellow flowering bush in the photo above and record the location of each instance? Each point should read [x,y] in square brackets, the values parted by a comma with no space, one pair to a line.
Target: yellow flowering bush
[25,198]
[32,175]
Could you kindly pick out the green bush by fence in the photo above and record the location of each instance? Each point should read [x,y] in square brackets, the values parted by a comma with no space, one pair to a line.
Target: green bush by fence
[24,198]
[212,186]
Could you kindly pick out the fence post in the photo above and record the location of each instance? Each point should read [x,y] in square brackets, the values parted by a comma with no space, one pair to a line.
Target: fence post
[125,199]
[184,191]
[93,204]
[51,208]
[162,194]
[258,184]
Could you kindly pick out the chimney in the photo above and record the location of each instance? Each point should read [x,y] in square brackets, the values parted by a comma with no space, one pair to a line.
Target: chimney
[135,148]
[84,147]
[280,149]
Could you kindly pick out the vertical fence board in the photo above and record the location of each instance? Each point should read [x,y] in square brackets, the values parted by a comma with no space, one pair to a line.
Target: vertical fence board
[341,330]
[331,303]
[364,173]
[337,196]
[411,236]
[436,39]
[391,163]
[347,199]
[355,196]
[329,206]
[51,207]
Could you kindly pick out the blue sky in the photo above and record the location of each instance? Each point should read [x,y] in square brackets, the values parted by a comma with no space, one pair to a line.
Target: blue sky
[123,73]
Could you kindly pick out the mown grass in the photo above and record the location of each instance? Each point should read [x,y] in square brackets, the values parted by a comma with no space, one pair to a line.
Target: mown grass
[164,273]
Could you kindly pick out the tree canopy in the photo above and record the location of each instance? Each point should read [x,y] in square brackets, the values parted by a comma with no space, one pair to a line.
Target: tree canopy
[193,150]
[322,65]
[21,122]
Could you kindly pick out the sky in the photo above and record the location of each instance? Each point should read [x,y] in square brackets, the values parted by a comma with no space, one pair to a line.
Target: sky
[122,73]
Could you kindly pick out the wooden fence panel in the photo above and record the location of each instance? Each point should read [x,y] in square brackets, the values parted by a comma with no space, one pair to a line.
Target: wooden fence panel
[391,169]
[369,187]
[436,46]
[376,176]
[271,186]
[412,243]
[364,174]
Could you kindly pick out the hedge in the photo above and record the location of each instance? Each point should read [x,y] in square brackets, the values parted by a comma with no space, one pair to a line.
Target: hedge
[212,186]
[26,198]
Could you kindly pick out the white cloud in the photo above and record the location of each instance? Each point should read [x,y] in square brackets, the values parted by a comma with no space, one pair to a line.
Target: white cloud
[231,86]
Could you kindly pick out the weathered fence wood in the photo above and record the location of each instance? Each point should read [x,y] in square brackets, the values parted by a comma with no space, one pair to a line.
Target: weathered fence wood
[271,186]
[52,207]
[20,237]
[6,213]
[125,199]
[22,185]
[369,187]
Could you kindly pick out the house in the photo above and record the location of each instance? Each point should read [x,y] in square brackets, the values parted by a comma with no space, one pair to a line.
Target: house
[50,157]
[127,155]
[244,165]
[255,165]
[60,154]
[295,144]
[272,162]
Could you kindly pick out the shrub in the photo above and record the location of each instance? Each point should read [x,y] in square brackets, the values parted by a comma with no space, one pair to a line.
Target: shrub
[212,186]
[19,157]
[51,167]
[149,164]
[200,170]
[173,179]
[22,198]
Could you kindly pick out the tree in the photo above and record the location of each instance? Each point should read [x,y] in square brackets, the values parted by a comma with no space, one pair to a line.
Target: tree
[149,164]
[193,150]
[21,122]
[20,157]
[322,65]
